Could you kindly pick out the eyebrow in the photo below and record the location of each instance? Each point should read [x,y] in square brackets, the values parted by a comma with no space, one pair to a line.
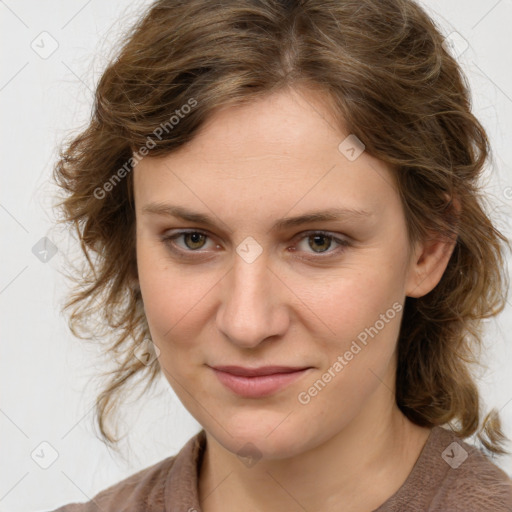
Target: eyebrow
[331,214]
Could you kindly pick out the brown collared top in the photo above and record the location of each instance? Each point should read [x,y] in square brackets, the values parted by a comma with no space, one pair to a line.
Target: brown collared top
[449,475]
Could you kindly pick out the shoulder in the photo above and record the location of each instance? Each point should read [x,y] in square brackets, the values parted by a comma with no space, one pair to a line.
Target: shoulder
[451,475]
[133,493]
[470,482]
[152,489]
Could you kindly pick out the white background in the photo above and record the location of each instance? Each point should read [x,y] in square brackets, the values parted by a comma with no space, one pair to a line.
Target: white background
[47,391]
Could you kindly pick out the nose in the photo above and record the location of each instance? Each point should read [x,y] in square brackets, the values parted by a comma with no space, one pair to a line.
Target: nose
[253,307]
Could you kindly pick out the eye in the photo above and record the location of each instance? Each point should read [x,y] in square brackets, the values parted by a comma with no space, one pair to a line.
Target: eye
[319,242]
[193,241]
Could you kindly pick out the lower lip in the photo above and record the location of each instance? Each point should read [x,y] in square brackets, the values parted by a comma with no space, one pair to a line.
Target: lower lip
[256,387]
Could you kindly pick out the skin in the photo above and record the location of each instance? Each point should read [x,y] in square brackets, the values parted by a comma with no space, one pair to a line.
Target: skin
[350,447]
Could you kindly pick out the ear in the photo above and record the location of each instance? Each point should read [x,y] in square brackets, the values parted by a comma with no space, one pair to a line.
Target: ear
[428,262]
[133,276]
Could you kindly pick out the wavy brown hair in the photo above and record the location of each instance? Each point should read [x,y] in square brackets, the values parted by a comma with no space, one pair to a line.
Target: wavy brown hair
[384,69]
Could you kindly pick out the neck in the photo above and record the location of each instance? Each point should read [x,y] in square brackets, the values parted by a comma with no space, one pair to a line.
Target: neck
[358,468]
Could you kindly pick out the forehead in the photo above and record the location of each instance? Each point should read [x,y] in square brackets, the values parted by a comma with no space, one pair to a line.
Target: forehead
[282,150]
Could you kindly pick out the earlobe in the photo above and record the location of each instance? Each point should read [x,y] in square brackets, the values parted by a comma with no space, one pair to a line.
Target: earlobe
[133,279]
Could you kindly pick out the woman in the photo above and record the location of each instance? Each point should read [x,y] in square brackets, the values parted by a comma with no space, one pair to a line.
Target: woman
[279,206]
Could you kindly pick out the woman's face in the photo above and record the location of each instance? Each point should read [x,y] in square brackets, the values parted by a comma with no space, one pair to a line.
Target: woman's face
[255,286]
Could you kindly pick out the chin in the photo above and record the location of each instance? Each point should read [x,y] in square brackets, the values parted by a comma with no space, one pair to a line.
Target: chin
[259,437]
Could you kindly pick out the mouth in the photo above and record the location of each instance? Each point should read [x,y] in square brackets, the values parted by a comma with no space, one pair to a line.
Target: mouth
[258,382]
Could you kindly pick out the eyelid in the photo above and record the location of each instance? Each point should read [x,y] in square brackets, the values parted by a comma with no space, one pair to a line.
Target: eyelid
[343,243]
[168,238]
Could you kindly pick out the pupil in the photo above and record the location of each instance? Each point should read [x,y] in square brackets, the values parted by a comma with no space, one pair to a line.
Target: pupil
[321,237]
[196,238]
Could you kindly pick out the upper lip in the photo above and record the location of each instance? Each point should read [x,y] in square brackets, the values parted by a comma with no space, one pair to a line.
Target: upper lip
[256,372]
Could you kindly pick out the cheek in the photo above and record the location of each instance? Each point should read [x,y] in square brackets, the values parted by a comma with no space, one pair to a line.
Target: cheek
[173,314]
[171,295]
[363,315]
[179,304]
[349,303]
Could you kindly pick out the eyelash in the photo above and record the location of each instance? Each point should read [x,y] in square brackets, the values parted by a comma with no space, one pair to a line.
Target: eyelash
[168,240]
